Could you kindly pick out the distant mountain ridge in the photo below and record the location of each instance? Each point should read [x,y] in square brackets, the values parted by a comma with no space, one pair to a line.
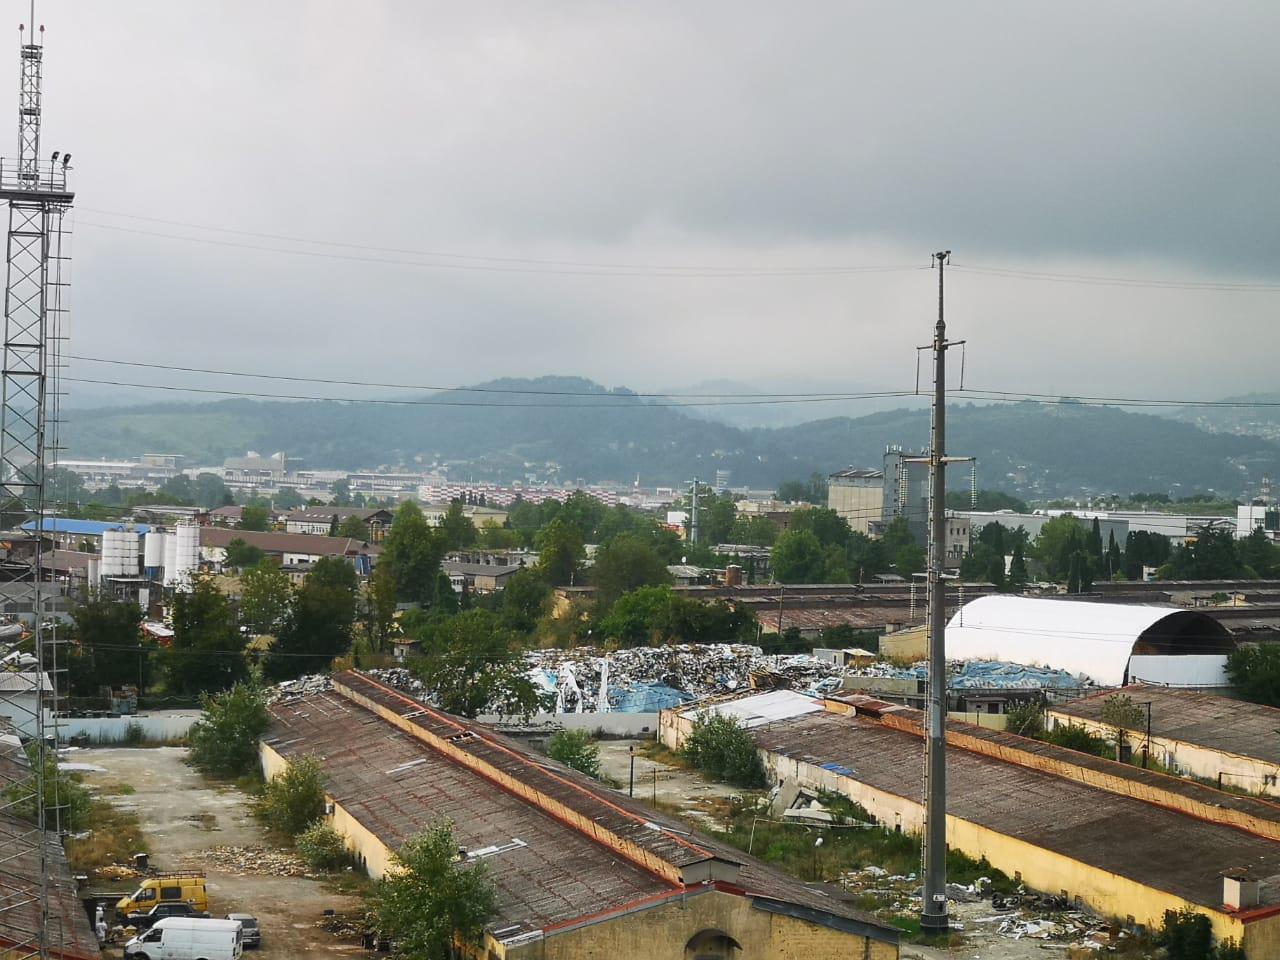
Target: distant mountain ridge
[595,433]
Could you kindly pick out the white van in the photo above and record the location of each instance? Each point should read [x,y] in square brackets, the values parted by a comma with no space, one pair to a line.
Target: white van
[187,938]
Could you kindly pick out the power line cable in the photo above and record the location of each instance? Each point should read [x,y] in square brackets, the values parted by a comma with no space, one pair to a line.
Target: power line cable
[1220,286]
[710,274]
[484,403]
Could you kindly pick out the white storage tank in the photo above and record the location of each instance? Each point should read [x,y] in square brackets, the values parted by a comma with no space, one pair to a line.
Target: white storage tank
[170,558]
[95,572]
[130,552]
[113,552]
[187,559]
[153,553]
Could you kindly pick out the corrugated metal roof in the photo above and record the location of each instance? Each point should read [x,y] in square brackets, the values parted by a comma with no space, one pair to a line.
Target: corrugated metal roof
[1217,723]
[88,528]
[1148,844]
[763,707]
[396,785]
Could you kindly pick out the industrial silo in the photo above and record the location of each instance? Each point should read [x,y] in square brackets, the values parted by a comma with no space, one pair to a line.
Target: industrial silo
[153,554]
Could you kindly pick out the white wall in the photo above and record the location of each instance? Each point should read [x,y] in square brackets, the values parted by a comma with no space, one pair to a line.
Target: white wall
[161,725]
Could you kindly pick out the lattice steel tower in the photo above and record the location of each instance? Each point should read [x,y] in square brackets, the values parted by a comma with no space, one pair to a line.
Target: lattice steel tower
[38,198]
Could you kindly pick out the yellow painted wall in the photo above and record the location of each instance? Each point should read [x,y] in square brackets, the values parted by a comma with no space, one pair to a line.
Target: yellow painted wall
[910,644]
[663,930]
[1256,776]
[1041,869]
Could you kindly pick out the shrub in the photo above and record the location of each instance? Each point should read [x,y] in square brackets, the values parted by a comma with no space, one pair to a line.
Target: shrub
[293,800]
[1026,720]
[574,748]
[1187,935]
[322,847]
[722,748]
[225,740]
[1078,738]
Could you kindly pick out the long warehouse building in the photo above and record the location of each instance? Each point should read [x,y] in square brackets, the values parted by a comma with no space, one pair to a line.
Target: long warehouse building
[580,870]
[1128,843]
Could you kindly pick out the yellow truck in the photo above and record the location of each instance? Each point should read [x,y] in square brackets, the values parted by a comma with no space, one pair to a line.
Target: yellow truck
[165,888]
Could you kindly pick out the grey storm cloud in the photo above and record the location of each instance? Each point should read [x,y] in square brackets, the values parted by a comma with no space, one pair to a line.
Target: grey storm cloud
[1131,139]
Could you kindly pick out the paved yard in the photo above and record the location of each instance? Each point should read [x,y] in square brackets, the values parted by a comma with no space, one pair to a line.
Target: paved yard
[183,815]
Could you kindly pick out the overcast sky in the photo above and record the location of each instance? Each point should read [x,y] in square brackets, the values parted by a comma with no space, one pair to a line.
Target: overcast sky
[1133,140]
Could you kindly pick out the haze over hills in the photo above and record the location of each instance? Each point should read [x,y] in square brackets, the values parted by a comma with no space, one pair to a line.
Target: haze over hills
[1031,448]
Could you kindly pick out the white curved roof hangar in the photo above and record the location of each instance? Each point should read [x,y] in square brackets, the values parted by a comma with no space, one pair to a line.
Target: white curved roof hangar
[1093,639]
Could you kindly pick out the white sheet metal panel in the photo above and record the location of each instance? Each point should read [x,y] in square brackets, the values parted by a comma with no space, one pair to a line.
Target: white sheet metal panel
[1187,670]
[1090,639]
[762,708]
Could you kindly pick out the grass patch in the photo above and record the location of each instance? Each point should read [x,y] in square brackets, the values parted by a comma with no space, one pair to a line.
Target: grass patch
[658,752]
[116,790]
[114,836]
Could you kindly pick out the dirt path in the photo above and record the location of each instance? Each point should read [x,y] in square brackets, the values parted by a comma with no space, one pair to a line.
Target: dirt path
[183,815]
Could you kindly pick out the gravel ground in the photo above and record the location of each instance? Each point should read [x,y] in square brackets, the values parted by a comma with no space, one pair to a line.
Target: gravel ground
[183,815]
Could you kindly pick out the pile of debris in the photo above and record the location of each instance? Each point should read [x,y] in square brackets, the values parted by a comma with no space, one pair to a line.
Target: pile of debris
[979,675]
[645,679]
[252,860]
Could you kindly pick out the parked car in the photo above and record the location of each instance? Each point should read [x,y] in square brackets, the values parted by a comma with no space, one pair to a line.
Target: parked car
[250,932]
[187,938]
[147,920]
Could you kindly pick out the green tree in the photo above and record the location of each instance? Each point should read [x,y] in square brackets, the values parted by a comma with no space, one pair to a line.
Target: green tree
[1115,563]
[255,518]
[1121,714]
[457,529]
[293,800]
[798,557]
[176,489]
[1093,544]
[108,631]
[722,748]
[1258,554]
[412,551]
[241,554]
[67,805]
[1017,569]
[525,600]
[623,564]
[560,548]
[1186,935]
[352,527]
[224,741]
[472,663]
[831,529]
[757,531]
[207,654]
[494,537]
[434,903]
[287,498]
[814,490]
[1059,539]
[265,592]
[65,487]
[904,554]
[209,491]
[1254,671]
[341,490]
[1211,556]
[575,749]
[318,625]
[379,607]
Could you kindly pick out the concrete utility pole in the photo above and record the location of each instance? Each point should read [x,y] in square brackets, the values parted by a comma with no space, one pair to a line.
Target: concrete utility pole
[933,913]
[693,518]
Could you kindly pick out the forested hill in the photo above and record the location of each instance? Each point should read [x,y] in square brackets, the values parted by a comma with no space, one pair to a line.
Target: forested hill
[614,435]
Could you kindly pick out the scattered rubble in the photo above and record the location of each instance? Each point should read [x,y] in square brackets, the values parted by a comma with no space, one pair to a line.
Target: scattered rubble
[259,860]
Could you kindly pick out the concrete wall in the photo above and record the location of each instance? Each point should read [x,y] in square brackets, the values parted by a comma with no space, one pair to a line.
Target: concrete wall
[613,724]
[663,930]
[1249,773]
[165,725]
[859,503]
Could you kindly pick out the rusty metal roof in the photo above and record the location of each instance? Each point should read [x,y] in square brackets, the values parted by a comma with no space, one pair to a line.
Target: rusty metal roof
[1216,723]
[1149,844]
[70,935]
[396,785]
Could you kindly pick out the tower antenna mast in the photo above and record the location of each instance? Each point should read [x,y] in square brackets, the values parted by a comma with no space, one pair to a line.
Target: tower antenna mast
[38,197]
